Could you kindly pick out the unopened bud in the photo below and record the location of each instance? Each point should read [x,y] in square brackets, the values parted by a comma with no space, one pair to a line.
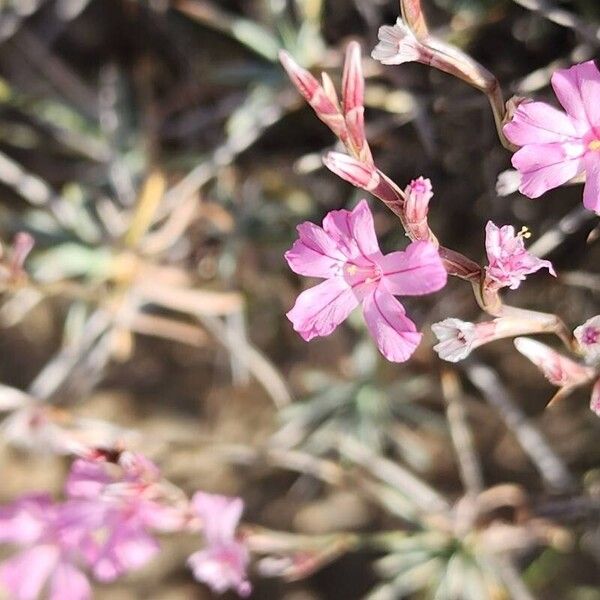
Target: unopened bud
[360,174]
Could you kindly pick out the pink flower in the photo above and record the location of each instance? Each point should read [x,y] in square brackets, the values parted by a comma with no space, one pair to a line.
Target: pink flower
[509,262]
[50,536]
[556,147]
[121,503]
[588,336]
[223,562]
[345,252]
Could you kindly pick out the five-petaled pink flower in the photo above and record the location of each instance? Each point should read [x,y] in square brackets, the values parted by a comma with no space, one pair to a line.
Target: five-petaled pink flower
[345,252]
[556,147]
[50,535]
[222,564]
[509,262]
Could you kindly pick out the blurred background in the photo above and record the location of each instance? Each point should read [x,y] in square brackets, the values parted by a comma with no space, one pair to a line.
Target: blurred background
[161,160]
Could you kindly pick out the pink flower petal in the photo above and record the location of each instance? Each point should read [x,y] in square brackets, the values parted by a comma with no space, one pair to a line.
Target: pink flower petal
[416,271]
[69,583]
[222,568]
[24,521]
[25,574]
[546,166]
[220,515]
[578,90]
[127,549]
[591,191]
[394,333]
[87,479]
[363,229]
[320,309]
[539,123]
[315,254]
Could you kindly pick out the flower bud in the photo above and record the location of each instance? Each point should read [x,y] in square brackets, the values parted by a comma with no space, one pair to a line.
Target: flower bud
[416,207]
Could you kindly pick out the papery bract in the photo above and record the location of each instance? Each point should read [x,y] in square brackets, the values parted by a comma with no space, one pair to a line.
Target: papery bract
[222,564]
[50,535]
[345,252]
[558,146]
[509,261]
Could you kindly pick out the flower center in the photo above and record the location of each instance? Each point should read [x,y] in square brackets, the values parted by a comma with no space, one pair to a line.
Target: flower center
[594,145]
[590,336]
[360,274]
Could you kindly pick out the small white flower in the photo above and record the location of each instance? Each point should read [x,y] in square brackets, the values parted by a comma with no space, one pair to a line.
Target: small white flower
[456,339]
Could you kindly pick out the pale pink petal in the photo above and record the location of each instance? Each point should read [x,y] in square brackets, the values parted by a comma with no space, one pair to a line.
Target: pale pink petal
[220,515]
[25,574]
[591,191]
[595,399]
[546,166]
[337,225]
[87,479]
[539,123]
[320,309]
[24,521]
[416,271]
[315,254]
[363,229]
[69,583]
[394,333]
[578,90]
[397,45]
[127,549]
[222,568]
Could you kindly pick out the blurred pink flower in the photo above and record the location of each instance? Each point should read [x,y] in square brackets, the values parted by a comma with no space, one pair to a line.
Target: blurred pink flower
[345,252]
[222,564]
[509,262]
[51,536]
[121,503]
[556,147]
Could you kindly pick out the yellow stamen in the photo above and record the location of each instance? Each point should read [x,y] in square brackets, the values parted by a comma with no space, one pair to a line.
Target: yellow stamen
[524,233]
[594,145]
[351,269]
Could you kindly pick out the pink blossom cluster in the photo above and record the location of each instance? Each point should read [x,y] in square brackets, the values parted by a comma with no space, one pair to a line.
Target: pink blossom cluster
[106,527]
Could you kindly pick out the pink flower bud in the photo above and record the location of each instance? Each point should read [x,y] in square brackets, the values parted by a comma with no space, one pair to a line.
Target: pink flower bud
[588,336]
[416,207]
[316,95]
[360,174]
[353,90]
[558,369]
